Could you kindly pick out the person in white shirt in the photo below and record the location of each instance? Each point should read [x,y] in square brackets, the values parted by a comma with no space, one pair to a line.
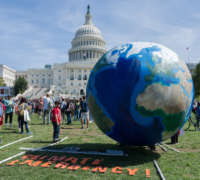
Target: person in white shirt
[46,109]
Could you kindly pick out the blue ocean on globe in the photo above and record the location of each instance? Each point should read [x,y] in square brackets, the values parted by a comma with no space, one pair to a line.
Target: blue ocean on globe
[140,93]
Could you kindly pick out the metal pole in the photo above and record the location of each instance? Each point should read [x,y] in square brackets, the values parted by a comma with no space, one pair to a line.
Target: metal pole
[158,170]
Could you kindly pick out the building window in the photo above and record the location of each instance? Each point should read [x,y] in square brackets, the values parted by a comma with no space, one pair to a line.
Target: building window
[32,81]
[79,77]
[85,77]
[72,84]
[71,77]
[59,78]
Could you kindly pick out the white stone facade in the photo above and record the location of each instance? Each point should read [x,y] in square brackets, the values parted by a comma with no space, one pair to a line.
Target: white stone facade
[8,75]
[21,74]
[40,78]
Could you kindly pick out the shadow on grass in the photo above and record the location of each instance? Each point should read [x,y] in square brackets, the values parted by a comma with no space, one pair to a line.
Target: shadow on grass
[9,132]
[39,141]
[136,155]
[36,124]
[189,130]
[68,128]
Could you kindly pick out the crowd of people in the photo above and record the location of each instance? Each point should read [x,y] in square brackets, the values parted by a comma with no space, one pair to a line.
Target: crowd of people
[56,110]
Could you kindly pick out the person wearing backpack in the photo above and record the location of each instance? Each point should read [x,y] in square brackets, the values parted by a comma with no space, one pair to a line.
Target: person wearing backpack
[21,108]
[69,107]
[9,104]
[77,107]
[63,109]
[84,113]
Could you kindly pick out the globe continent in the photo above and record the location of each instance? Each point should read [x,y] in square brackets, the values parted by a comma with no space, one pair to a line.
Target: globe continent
[140,93]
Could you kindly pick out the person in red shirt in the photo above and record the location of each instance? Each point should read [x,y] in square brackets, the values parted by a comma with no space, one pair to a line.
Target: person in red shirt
[2,111]
[56,120]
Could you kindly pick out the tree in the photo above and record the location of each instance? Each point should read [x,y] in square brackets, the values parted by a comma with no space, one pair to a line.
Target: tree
[2,83]
[196,80]
[20,85]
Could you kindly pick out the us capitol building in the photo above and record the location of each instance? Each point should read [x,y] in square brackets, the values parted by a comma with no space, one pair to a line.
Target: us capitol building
[71,77]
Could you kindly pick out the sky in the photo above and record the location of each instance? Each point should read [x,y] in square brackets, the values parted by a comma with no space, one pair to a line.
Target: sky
[38,32]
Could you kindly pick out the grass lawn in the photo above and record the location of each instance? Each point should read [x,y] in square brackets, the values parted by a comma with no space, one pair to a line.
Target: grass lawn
[175,166]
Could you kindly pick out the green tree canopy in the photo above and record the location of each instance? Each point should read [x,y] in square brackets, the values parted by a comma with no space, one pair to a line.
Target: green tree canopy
[20,85]
[2,83]
[196,80]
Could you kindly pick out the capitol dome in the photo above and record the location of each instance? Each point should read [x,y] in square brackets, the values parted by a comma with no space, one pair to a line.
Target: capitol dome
[88,43]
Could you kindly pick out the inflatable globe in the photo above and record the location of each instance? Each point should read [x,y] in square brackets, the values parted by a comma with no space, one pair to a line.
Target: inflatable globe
[140,93]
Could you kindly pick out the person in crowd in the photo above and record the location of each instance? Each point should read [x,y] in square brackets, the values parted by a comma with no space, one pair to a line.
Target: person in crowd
[197,114]
[32,107]
[17,113]
[63,109]
[40,107]
[21,108]
[46,109]
[2,111]
[56,121]
[152,147]
[9,104]
[69,110]
[81,103]
[174,138]
[84,113]
[77,107]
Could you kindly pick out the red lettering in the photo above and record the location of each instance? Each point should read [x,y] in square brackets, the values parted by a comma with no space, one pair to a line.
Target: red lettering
[47,164]
[84,161]
[72,159]
[97,161]
[86,168]
[132,171]
[99,169]
[34,157]
[43,157]
[73,167]
[117,170]
[12,162]
[148,173]
[61,165]
[28,162]
[53,158]
[37,163]
[25,157]
[62,158]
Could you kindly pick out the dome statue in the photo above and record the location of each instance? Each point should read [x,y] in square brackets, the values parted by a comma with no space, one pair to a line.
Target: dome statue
[88,43]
